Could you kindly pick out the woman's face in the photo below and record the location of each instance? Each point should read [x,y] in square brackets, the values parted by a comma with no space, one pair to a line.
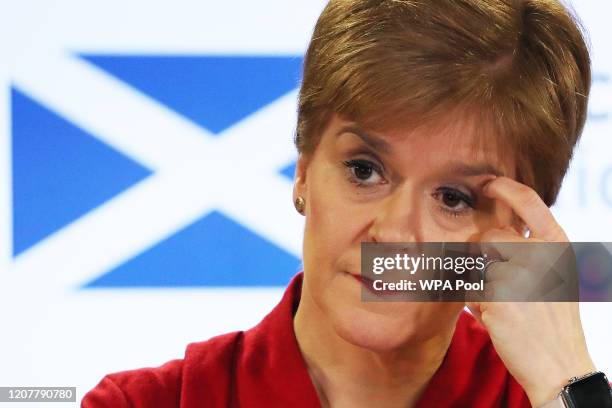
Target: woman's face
[421,185]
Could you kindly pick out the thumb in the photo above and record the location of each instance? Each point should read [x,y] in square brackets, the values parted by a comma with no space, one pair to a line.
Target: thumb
[475,309]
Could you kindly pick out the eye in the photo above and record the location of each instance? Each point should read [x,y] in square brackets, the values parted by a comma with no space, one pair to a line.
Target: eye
[453,201]
[364,172]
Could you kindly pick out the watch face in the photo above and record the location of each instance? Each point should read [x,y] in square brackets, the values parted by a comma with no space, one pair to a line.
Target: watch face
[592,391]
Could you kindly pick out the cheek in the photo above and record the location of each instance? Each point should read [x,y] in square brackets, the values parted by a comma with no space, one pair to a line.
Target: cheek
[497,216]
[328,222]
[438,227]
[333,224]
[326,197]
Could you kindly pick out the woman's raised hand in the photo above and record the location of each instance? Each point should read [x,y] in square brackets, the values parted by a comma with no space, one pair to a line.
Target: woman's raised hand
[541,343]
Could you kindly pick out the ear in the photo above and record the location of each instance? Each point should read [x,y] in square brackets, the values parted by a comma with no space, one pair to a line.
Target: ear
[299,180]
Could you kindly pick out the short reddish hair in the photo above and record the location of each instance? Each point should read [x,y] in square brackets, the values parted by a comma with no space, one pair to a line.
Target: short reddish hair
[521,66]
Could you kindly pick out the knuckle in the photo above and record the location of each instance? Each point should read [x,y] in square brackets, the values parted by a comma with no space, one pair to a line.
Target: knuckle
[529,197]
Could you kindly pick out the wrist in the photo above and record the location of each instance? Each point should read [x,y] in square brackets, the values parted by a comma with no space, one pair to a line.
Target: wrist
[555,403]
[547,390]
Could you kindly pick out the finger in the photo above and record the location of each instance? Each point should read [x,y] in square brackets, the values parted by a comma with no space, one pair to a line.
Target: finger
[528,205]
[503,272]
[532,253]
[505,244]
[475,309]
[505,281]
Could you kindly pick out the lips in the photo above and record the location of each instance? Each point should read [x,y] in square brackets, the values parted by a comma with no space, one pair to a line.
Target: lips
[361,279]
[368,284]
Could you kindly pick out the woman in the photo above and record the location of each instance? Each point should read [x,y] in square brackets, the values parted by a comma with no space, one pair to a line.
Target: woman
[418,121]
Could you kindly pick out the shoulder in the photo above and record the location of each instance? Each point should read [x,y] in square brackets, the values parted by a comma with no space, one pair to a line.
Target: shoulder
[216,372]
[141,387]
[171,384]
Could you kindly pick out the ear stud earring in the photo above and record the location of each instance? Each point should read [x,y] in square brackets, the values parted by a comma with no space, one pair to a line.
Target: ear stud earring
[300,203]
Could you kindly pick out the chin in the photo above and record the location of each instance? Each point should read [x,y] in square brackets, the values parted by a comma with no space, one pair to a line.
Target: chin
[380,326]
[385,327]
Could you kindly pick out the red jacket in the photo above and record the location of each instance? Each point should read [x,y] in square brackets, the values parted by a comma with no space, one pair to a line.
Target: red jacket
[263,367]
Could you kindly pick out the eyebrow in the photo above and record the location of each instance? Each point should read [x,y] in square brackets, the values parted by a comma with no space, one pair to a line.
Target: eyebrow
[479,169]
[373,141]
[457,168]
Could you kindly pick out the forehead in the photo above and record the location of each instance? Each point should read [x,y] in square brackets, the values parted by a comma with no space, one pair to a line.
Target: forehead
[455,141]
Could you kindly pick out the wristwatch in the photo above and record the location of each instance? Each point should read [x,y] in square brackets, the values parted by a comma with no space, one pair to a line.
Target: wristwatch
[588,391]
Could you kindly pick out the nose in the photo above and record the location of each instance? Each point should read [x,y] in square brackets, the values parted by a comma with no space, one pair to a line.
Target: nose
[398,218]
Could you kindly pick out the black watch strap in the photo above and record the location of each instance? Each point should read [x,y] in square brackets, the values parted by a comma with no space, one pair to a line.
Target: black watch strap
[589,391]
